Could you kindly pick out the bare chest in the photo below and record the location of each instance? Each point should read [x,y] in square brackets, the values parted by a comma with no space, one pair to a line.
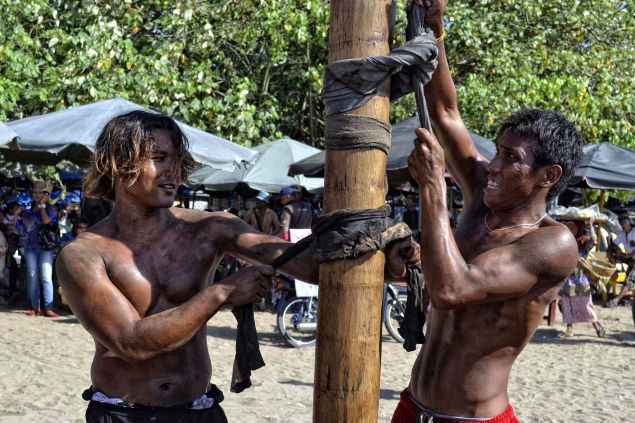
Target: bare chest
[473,238]
[159,276]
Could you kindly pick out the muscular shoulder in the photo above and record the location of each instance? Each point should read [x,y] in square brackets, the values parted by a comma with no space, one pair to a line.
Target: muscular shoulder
[220,226]
[551,248]
[87,244]
[79,256]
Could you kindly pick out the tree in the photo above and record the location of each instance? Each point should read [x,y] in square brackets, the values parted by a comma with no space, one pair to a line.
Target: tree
[251,70]
[576,56]
[246,70]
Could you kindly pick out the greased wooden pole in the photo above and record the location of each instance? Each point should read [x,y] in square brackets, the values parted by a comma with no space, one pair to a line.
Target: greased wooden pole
[348,356]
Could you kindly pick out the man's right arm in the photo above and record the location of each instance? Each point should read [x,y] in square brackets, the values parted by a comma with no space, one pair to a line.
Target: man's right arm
[114,322]
[465,163]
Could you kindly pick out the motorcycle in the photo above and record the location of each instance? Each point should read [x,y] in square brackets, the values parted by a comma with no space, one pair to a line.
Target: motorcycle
[297,316]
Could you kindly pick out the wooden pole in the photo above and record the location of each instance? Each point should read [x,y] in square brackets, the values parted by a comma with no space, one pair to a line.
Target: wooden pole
[348,356]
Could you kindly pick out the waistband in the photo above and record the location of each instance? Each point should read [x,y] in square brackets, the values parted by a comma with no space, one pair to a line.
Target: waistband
[426,415]
[213,396]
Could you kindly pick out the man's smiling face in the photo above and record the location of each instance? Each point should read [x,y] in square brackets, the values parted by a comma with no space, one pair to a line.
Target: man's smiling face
[511,178]
[156,185]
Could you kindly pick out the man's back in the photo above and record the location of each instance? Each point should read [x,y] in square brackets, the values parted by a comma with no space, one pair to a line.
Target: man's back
[301,214]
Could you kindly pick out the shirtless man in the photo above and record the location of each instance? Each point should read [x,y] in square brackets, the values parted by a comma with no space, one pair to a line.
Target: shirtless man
[490,282]
[137,280]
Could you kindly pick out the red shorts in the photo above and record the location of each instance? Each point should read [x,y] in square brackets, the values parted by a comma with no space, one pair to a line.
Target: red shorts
[409,412]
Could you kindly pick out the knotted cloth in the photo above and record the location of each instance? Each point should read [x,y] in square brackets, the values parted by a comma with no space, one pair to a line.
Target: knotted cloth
[339,235]
[347,234]
[351,83]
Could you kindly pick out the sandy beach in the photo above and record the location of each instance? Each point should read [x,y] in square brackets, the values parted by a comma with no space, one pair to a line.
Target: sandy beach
[45,367]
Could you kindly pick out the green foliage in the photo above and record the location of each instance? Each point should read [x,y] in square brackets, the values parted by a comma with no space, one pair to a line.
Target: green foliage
[250,71]
[576,56]
[246,70]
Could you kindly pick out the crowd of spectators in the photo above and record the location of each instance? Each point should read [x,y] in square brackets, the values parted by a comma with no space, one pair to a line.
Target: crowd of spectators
[31,233]
[28,249]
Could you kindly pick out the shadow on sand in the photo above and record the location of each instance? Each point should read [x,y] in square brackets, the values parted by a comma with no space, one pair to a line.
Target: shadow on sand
[550,336]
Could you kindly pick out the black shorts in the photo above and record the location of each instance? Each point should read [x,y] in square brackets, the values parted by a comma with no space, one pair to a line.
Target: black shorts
[98,412]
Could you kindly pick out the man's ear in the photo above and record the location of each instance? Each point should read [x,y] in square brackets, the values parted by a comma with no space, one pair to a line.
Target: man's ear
[552,175]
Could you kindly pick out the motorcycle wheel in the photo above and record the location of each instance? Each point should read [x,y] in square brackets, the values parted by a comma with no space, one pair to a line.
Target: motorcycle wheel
[393,316]
[295,311]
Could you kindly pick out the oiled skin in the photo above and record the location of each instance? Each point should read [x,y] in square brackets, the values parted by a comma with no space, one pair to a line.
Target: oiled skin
[138,282]
[488,288]
[133,278]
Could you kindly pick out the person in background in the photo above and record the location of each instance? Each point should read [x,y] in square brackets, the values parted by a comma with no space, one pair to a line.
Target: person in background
[39,262]
[11,234]
[79,226]
[95,209]
[411,216]
[63,220]
[576,303]
[262,217]
[625,239]
[296,214]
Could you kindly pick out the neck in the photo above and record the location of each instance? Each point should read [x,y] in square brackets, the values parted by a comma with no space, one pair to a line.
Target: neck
[134,218]
[498,218]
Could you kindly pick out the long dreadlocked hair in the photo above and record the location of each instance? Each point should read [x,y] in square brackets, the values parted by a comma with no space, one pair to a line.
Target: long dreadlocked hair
[123,147]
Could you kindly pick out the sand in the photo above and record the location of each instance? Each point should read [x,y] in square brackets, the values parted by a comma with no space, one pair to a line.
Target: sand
[45,367]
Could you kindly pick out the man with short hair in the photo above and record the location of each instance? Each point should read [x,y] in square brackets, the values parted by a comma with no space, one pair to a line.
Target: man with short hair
[262,217]
[137,280]
[411,215]
[491,281]
[626,240]
[296,214]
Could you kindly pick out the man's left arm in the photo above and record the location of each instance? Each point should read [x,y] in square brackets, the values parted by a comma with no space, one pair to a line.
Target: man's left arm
[251,245]
[243,241]
[539,259]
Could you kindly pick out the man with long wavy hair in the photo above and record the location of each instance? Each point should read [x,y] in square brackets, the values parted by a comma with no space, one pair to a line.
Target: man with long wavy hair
[137,280]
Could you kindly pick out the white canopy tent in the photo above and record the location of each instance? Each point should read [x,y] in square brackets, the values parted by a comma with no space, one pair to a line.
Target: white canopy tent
[6,134]
[268,173]
[71,134]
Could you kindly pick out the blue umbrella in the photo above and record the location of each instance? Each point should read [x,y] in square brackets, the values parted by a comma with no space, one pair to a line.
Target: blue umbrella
[23,198]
